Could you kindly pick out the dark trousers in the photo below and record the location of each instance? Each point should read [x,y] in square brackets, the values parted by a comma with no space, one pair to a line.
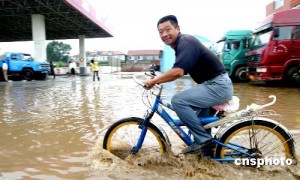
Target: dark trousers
[96,73]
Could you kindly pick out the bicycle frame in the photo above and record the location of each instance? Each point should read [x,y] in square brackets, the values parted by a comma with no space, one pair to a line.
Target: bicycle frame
[176,125]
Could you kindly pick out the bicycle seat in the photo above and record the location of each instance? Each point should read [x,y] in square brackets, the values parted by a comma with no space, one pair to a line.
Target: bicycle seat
[230,106]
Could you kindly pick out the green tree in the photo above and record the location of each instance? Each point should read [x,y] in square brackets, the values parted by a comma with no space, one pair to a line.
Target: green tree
[58,51]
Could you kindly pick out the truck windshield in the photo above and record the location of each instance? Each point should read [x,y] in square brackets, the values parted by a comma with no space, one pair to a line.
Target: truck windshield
[220,47]
[232,45]
[262,38]
[26,57]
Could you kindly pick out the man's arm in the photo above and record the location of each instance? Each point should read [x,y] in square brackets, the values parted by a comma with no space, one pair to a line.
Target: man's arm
[168,76]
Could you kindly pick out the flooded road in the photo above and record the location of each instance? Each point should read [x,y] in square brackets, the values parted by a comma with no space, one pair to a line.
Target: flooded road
[53,129]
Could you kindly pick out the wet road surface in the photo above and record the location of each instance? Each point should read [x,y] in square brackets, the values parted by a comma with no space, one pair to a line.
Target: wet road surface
[53,129]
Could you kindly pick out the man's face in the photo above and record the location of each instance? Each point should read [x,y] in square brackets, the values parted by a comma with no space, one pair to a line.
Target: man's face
[168,33]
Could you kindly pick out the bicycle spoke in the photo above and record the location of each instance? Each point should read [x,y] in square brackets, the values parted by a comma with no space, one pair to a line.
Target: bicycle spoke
[259,138]
[277,146]
[123,136]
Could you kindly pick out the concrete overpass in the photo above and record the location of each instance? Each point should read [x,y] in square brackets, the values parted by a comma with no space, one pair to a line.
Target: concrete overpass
[41,20]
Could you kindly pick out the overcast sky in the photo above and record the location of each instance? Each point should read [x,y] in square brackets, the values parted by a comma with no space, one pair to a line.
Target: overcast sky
[133,22]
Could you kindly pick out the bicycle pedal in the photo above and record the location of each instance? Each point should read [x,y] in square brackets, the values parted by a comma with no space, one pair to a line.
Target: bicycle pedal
[209,153]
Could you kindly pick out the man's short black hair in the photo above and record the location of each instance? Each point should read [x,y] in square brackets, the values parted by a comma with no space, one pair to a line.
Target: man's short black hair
[170,18]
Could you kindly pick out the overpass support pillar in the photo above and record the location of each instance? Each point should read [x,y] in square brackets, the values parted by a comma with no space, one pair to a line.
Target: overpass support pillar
[39,37]
[82,56]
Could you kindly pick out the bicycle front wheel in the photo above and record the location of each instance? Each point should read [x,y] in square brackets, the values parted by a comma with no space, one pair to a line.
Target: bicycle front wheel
[123,136]
[259,138]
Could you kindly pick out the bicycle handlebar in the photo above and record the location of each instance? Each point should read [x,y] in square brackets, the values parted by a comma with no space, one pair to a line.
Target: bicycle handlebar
[139,82]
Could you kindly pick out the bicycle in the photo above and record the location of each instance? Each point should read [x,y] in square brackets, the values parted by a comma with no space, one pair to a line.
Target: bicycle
[249,133]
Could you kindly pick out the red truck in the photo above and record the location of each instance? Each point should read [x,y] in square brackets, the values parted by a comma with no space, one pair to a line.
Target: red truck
[275,50]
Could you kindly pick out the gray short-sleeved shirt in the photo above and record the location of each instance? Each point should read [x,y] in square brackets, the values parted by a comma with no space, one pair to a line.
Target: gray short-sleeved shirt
[195,59]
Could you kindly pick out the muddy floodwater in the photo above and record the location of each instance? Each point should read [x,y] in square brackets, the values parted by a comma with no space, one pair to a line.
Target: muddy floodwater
[54,129]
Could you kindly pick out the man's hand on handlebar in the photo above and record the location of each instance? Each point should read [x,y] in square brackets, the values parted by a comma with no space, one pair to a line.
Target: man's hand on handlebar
[149,83]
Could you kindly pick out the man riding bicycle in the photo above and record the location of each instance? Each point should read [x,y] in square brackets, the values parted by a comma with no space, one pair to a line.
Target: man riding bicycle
[213,83]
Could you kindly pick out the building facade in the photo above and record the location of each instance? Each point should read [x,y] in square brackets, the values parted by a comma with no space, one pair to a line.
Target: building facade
[142,60]
[144,55]
[105,56]
[278,5]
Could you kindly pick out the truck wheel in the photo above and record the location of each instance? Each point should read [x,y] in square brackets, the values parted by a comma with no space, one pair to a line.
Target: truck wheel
[240,74]
[28,74]
[293,75]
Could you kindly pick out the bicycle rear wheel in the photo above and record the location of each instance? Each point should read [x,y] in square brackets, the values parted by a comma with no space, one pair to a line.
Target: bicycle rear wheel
[259,138]
[123,135]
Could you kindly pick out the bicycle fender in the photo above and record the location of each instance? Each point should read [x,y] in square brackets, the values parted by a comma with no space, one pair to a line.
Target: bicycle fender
[163,133]
[220,135]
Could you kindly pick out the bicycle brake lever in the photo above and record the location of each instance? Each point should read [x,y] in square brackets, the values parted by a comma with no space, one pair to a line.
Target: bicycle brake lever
[152,75]
[140,83]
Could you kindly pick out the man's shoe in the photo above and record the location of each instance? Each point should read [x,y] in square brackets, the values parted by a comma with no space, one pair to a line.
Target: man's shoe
[192,148]
[197,147]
